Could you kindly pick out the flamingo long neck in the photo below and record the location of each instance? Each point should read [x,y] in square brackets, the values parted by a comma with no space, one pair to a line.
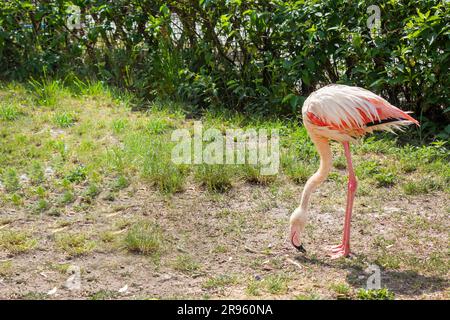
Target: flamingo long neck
[324,150]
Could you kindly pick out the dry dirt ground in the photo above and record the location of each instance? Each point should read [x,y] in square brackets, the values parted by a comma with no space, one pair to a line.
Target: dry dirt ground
[60,239]
[237,242]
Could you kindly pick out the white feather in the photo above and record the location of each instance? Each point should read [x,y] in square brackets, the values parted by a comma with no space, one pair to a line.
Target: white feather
[346,107]
[340,104]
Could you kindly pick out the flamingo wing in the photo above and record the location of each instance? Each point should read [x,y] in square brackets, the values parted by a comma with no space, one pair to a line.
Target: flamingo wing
[346,112]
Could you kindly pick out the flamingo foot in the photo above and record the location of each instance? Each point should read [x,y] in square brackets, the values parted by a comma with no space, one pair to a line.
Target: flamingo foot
[339,251]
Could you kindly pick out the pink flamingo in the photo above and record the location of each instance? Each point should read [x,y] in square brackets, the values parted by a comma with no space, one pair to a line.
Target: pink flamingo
[341,113]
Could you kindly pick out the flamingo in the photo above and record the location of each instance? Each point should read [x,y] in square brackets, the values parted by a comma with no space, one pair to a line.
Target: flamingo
[343,114]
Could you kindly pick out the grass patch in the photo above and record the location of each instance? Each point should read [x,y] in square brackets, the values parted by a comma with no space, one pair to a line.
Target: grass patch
[367,169]
[64,119]
[74,244]
[253,174]
[342,290]
[9,112]
[253,288]
[92,191]
[6,268]
[186,264]
[220,249]
[104,295]
[145,237]
[373,294]
[276,284]
[340,163]
[36,173]
[385,178]
[34,296]
[166,176]
[16,242]
[297,170]
[77,174]
[307,296]
[90,88]
[16,199]
[67,197]
[388,261]
[11,180]
[41,206]
[108,237]
[158,126]
[219,282]
[119,125]
[62,268]
[46,92]
[152,157]
[424,186]
[120,183]
[215,178]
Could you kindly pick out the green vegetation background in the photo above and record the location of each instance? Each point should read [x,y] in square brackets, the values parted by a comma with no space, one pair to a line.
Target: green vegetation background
[260,57]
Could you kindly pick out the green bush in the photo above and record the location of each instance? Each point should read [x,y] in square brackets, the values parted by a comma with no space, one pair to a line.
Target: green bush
[255,56]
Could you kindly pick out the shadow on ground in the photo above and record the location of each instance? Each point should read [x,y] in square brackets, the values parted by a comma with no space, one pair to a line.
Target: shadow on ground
[402,282]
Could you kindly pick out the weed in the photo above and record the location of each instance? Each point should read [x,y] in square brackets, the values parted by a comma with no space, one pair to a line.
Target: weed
[67,197]
[296,169]
[119,125]
[309,296]
[157,126]
[253,174]
[144,237]
[385,178]
[186,264]
[216,178]
[64,119]
[11,180]
[104,295]
[77,175]
[41,205]
[120,183]
[46,91]
[16,242]
[74,244]
[423,186]
[342,290]
[276,284]
[36,173]
[220,281]
[253,288]
[9,112]
[92,191]
[6,268]
[373,294]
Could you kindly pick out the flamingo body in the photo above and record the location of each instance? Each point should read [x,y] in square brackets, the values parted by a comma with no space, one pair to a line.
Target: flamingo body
[341,113]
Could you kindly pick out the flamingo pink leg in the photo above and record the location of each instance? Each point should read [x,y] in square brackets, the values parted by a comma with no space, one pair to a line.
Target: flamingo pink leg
[343,250]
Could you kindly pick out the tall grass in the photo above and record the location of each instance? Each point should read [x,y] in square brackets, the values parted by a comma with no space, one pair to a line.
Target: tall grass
[9,112]
[215,178]
[46,92]
[150,156]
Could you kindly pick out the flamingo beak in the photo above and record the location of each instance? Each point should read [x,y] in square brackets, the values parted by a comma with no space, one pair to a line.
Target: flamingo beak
[300,247]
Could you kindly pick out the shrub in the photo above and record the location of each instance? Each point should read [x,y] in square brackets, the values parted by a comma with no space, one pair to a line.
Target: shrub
[257,56]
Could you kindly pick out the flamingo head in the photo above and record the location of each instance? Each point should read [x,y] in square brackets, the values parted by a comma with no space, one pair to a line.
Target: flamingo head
[297,227]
